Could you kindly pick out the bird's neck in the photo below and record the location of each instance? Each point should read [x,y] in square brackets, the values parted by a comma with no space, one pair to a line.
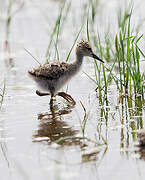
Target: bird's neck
[79,60]
[76,65]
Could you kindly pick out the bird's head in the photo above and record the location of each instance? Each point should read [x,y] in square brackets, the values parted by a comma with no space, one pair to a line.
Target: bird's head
[84,49]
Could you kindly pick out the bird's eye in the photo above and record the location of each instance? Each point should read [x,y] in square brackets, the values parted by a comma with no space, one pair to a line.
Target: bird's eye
[89,49]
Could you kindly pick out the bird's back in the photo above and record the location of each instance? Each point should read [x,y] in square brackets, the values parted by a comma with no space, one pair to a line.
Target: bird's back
[50,71]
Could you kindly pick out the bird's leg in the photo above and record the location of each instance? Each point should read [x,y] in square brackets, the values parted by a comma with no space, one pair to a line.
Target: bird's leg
[67,97]
[41,93]
[51,103]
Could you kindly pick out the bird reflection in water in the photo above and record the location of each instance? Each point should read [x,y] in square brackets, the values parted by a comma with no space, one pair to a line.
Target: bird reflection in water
[141,144]
[53,129]
[141,152]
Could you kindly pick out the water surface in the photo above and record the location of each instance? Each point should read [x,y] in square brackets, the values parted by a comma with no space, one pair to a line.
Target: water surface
[39,143]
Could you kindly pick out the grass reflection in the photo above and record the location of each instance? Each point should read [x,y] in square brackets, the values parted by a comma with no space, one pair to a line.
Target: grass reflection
[131,118]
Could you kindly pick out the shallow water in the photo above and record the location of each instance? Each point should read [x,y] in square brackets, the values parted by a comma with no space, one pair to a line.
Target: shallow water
[39,143]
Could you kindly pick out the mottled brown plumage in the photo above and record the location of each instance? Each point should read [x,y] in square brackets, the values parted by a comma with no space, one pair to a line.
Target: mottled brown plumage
[50,71]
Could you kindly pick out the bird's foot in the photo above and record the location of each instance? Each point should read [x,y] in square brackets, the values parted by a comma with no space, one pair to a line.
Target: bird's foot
[67,97]
[42,93]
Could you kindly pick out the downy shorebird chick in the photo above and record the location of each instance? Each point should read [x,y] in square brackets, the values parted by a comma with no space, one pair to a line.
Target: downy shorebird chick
[51,77]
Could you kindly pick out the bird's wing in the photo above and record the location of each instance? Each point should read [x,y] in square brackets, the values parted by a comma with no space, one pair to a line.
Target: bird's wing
[50,70]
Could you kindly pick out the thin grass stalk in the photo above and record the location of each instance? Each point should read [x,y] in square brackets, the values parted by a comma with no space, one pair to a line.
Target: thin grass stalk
[2,95]
[128,56]
[118,60]
[62,20]
[8,21]
[86,115]
[56,29]
[94,5]
[56,42]
[133,55]
[122,58]
[105,80]
[83,22]
[88,36]
[32,56]
[98,80]
[56,56]
[70,51]
[99,69]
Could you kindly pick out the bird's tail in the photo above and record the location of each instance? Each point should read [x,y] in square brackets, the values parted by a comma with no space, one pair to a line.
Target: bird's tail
[31,72]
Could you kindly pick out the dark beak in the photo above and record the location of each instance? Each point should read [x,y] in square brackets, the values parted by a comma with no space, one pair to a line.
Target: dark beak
[96,57]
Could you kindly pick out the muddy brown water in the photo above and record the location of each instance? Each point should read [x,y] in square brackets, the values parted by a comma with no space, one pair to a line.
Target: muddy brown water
[39,143]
